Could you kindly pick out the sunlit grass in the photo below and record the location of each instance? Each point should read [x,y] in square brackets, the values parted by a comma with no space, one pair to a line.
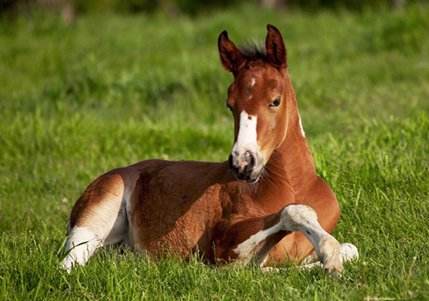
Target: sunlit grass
[111,90]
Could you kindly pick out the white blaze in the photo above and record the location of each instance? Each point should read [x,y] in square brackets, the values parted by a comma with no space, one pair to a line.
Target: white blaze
[246,139]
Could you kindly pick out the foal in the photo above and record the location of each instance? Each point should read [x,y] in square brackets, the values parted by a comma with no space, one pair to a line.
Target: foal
[265,205]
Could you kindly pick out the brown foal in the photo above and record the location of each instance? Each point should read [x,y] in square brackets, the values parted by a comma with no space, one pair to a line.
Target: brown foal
[265,205]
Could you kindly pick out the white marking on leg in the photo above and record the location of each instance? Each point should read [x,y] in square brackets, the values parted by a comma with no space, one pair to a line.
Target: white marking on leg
[247,248]
[81,244]
[349,252]
[304,219]
[119,231]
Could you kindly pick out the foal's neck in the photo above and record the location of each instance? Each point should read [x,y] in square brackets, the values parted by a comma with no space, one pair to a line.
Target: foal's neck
[291,169]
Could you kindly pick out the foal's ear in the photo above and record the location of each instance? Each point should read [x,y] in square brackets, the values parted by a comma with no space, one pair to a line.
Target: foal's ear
[275,47]
[231,57]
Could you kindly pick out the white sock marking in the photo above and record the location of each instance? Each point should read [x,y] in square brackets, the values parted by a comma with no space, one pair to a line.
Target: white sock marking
[349,252]
[81,244]
[304,219]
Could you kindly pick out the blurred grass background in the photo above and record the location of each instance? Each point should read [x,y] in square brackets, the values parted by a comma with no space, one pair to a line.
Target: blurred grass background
[110,86]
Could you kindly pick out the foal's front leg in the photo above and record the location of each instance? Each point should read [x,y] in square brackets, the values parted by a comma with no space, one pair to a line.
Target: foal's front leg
[292,218]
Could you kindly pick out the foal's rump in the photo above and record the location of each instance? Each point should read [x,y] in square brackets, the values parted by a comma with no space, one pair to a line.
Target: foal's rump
[102,206]
[98,204]
[98,218]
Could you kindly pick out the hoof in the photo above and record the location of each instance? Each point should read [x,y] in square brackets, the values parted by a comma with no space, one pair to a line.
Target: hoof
[349,252]
[66,265]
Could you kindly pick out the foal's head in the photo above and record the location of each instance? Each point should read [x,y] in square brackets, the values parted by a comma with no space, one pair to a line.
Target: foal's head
[258,99]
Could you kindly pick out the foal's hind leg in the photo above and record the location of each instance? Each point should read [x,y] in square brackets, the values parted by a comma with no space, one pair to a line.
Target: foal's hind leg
[98,219]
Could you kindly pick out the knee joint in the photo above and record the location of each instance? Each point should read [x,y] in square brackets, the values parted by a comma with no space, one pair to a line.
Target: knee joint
[294,215]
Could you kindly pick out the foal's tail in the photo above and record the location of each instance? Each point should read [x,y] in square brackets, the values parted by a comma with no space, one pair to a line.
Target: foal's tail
[98,218]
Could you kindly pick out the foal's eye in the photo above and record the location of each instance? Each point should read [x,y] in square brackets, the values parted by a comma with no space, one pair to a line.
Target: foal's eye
[275,102]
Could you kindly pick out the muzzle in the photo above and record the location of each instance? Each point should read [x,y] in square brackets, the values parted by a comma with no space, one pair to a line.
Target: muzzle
[244,166]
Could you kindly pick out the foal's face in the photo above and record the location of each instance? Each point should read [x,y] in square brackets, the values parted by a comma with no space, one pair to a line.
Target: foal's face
[257,101]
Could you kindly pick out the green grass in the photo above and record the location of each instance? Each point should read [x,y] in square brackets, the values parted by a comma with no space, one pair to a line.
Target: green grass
[111,90]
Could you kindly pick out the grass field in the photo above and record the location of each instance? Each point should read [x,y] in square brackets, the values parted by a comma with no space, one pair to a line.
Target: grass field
[112,90]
